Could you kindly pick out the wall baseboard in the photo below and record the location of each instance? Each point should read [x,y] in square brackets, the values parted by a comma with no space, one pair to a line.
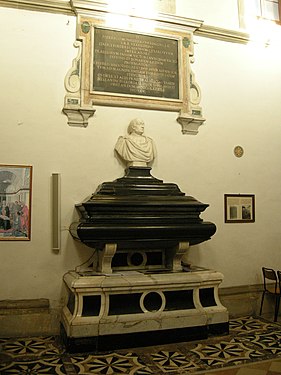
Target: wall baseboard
[244,300]
[24,318]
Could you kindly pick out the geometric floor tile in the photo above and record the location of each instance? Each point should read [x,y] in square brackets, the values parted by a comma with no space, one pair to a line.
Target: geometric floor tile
[31,346]
[224,353]
[249,324]
[252,341]
[171,361]
[107,364]
[270,342]
[40,366]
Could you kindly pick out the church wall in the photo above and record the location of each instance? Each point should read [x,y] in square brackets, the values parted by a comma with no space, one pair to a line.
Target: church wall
[219,13]
[241,93]
[240,99]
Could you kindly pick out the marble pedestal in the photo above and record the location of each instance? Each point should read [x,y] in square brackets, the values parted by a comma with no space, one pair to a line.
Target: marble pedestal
[132,308]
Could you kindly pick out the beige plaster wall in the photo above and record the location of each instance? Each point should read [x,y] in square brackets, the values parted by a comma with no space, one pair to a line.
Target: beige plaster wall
[241,101]
[220,13]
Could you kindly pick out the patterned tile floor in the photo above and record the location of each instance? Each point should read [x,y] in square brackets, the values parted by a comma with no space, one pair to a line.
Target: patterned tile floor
[253,347]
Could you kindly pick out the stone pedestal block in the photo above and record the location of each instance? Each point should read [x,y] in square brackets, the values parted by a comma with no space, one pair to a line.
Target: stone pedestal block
[131,308]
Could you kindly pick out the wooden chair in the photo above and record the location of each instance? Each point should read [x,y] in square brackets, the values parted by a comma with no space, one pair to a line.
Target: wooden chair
[278,302]
[271,286]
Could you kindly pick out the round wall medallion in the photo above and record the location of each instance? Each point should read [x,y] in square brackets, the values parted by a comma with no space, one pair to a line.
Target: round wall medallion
[186,42]
[238,151]
[85,27]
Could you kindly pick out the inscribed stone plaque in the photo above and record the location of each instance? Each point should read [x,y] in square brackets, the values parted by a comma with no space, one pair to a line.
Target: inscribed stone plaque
[135,64]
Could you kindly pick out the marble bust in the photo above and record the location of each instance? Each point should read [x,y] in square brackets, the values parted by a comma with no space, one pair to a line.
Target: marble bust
[136,149]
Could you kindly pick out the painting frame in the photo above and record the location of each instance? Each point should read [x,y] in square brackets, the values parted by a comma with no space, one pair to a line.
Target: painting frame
[239,208]
[15,202]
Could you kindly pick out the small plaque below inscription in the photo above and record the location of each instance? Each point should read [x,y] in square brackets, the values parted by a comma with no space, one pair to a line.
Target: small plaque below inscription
[135,64]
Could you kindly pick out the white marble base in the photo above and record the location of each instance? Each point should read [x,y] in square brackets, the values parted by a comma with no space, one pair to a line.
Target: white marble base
[133,301]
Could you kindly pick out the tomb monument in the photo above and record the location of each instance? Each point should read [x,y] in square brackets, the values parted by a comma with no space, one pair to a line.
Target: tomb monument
[136,290]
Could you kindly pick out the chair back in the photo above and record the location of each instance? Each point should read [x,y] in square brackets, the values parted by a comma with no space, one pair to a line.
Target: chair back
[279,279]
[269,275]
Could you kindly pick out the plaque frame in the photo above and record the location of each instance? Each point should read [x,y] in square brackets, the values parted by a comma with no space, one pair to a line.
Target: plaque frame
[81,101]
[141,98]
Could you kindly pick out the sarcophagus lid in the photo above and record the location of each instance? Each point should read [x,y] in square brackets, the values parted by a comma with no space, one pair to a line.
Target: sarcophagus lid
[140,211]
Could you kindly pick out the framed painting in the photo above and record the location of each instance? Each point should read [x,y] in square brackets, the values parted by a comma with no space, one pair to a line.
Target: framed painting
[239,208]
[15,202]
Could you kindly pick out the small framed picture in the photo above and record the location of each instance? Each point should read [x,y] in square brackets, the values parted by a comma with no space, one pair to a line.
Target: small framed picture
[15,202]
[239,208]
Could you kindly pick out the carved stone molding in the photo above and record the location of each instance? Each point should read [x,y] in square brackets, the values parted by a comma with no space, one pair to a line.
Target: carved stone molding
[78,116]
[52,6]
[175,257]
[190,117]
[72,80]
[190,123]
[105,258]
[226,35]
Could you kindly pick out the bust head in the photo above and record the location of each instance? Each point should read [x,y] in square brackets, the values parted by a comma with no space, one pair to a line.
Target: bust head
[136,126]
[136,149]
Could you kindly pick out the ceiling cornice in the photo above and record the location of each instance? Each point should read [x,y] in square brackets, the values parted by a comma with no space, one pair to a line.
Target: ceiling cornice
[75,7]
[227,35]
[52,6]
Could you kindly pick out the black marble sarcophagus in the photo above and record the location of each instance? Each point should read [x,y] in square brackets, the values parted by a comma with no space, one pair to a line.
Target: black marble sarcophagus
[140,211]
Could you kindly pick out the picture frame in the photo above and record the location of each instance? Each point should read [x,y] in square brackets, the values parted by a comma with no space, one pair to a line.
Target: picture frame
[15,202]
[239,208]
